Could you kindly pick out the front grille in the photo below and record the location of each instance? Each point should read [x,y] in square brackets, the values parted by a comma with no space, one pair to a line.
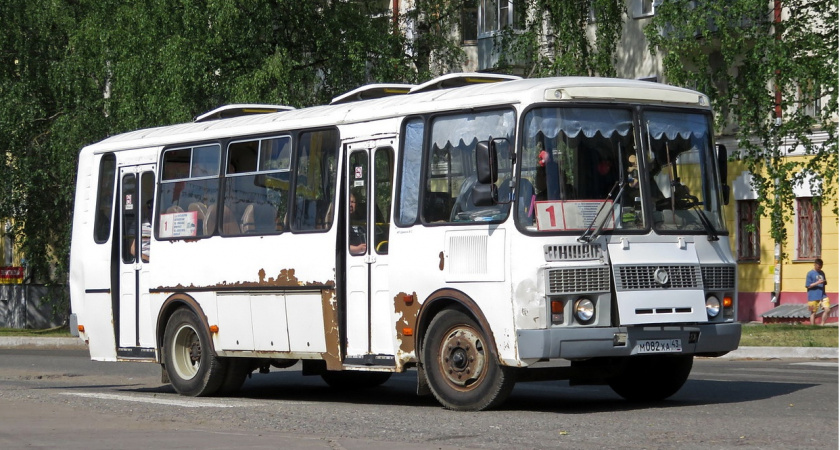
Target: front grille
[718,277]
[632,278]
[578,280]
[572,252]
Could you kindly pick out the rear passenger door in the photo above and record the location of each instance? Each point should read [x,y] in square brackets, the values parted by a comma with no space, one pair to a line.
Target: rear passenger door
[132,325]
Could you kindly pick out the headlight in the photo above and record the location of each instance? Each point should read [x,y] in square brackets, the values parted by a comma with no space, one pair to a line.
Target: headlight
[584,310]
[712,306]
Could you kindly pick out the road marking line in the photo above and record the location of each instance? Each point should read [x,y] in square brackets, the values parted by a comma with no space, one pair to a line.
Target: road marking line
[161,401]
[815,363]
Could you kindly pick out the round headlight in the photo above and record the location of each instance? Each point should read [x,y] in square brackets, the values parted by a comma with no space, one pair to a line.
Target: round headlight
[584,310]
[712,306]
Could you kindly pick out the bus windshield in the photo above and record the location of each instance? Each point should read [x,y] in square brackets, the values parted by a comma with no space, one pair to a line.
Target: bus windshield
[573,160]
[580,169]
[683,177]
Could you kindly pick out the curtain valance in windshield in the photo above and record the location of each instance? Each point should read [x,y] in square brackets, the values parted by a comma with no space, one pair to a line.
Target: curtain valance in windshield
[574,121]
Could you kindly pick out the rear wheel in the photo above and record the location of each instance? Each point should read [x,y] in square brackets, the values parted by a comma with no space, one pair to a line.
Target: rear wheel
[463,372]
[192,367]
[237,371]
[651,378]
[353,379]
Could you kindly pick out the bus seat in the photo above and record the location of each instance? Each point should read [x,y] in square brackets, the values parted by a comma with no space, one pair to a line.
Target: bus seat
[201,216]
[259,218]
[230,226]
[210,220]
[174,209]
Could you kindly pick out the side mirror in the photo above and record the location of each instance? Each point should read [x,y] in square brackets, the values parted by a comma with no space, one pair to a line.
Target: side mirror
[722,163]
[486,162]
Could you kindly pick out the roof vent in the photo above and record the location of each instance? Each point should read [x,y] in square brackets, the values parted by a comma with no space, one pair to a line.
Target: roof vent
[372,91]
[229,111]
[454,80]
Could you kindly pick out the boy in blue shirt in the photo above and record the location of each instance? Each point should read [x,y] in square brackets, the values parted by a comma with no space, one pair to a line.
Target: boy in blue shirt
[815,283]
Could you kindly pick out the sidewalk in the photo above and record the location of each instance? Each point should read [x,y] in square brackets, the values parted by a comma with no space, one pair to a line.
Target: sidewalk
[73,343]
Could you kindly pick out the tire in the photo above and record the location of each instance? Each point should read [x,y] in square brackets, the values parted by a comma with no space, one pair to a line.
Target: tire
[193,368]
[353,379]
[237,371]
[651,378]
[463,371]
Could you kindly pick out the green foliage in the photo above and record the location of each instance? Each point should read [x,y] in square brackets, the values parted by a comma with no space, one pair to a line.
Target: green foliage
[551,38]
[754,67]
[73,73]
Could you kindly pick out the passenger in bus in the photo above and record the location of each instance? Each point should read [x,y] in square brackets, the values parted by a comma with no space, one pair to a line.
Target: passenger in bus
[145,235]
[357,238]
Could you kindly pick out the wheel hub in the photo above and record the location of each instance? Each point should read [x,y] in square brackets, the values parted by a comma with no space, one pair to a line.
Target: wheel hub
[462,357]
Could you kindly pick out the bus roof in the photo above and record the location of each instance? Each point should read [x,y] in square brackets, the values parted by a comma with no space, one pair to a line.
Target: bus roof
[533,90]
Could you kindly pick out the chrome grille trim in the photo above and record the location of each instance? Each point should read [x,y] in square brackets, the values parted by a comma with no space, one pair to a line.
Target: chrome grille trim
[578,280]
[634,278]
[572,252]
[719,277]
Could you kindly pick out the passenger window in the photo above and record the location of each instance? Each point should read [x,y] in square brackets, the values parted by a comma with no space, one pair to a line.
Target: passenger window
[316,178]
[189,191]
[257,186]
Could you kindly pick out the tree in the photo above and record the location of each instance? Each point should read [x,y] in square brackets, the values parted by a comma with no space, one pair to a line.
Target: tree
[75,72]
[771,74]
[551,38]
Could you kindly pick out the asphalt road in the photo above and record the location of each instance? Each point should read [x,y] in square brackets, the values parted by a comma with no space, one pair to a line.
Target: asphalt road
[61,399]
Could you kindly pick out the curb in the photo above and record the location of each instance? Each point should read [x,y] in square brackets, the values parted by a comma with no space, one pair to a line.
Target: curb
[783,352]
[42,343]
[74,343]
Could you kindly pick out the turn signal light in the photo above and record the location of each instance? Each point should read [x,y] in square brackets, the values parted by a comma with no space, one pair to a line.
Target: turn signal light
[214,328]
[556,307]
[408,331]
[727,302]
[81,328]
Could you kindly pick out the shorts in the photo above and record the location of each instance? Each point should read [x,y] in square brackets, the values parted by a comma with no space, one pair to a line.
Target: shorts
[814,306]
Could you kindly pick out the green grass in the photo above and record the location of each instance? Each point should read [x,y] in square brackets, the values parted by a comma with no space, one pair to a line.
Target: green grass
[752,335]
[50,332]
[781,335]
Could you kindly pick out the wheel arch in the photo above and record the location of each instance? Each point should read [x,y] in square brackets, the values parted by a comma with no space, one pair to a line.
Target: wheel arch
[446,298]
[172,304]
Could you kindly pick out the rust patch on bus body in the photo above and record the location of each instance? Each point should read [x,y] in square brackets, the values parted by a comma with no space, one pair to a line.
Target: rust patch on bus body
[407,308]
[286,278]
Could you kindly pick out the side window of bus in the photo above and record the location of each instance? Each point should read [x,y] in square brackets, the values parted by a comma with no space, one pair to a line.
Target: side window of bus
[257,186]
[383,170]
[314,204]
[105,198]
[189,191]
[409,187]
[450,174]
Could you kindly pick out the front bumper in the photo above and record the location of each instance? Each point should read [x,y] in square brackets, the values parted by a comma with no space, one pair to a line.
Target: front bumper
[591,342]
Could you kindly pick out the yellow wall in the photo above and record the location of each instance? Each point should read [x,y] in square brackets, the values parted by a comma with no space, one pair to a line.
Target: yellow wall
[758,276]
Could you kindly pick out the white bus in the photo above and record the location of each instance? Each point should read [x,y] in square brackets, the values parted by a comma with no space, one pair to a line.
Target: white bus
[478,229]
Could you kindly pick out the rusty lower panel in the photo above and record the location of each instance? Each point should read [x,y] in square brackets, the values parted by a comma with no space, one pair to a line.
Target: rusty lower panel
[407,308]
[331,335]
[285,279]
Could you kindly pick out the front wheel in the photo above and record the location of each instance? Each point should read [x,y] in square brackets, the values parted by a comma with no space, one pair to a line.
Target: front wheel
[191,365]
[463,371]
[651,378]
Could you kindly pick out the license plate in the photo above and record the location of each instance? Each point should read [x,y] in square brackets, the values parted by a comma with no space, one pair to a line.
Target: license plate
[659,346]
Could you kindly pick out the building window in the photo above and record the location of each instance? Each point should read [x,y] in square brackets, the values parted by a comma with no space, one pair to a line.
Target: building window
[644,8]
[808,228]
[494,16]
[748,231]
[469,22]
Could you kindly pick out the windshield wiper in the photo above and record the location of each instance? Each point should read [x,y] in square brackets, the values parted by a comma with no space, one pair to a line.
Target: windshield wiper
[589,237]
[707,224]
